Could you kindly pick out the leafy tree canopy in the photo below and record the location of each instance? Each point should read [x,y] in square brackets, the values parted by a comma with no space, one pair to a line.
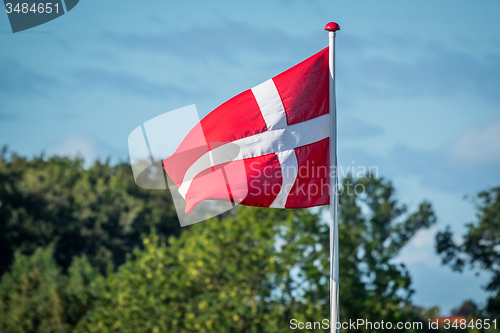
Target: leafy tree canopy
[36,297]
[98,211]
[258,268]
[480,247]
[251,270]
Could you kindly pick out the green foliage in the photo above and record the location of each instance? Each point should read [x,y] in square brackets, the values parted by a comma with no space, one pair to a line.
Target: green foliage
[36,297]
[79,291]
[216,278]
[98,211]
[373,228]
[480,246]
[258,268]
[251,270]
[30,295]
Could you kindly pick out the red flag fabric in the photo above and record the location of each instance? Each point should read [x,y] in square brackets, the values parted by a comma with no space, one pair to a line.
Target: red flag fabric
[267,147]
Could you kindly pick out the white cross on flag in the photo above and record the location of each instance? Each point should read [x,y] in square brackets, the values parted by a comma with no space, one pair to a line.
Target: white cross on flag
[281,131]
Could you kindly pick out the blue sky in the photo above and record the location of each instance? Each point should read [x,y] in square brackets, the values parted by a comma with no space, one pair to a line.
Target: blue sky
[417,89]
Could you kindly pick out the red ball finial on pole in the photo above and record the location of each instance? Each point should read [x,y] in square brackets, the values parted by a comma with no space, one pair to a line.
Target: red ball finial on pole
[332,26]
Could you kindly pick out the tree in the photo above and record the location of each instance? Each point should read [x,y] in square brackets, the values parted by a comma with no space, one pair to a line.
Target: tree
[257,269]
[467,309]
[480,246]
[373,228]
[36,297]
[30,295]
[99,211]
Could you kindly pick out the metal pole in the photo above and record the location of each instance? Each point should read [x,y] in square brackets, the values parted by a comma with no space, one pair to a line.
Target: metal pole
[332,27]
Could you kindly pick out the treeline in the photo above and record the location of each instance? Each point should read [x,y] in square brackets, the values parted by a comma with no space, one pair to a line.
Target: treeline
[98,212]
[86,250]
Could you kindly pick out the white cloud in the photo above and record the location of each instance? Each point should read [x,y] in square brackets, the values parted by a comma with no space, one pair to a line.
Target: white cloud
[420,249]
[478,145]
[83,146]
[434,283]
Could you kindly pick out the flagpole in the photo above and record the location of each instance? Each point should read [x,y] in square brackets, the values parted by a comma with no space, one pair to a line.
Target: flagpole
[332,27]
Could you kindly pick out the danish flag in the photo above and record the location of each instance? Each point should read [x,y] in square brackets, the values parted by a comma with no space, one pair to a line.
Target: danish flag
[281,131]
